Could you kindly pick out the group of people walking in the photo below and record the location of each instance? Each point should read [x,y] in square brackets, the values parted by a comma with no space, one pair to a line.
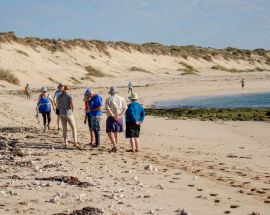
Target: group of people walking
[115,107]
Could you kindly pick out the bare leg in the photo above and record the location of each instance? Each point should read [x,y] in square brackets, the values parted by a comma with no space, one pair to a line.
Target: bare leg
[132,143]
[58,122]
[91,136]
[64,126]
[112,138]
[137,141]
[116,139]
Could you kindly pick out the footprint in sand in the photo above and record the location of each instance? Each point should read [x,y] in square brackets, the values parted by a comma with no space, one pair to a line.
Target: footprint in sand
[213,194]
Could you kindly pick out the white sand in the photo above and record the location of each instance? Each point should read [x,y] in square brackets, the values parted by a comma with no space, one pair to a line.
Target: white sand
[202,167]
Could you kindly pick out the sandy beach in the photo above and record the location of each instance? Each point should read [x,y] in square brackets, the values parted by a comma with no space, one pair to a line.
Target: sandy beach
[200,167]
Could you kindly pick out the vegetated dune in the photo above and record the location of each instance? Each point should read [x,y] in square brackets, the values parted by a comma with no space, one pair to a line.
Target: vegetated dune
[80,62]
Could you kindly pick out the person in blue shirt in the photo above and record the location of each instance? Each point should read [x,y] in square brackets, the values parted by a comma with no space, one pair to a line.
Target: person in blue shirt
[95,105]
[44,106]
[134,118]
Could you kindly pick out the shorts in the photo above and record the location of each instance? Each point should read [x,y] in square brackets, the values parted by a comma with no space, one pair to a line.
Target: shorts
[132,130]
[57,111]
[113,125]
[89,120]
[95,123]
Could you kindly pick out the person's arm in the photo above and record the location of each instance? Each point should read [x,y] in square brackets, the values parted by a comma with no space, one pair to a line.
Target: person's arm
[71,105]
[123,111]
[52,102]
[142,114]
[38,104]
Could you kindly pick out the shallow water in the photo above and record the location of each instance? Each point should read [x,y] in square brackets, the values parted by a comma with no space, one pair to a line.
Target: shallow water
[254,100]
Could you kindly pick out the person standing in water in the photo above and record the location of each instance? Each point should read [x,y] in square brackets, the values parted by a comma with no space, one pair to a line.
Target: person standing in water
[56,96]
[134,117]
[44,106]
[116,107]
[27,92]
[130,86]
[243,83]
[66,107]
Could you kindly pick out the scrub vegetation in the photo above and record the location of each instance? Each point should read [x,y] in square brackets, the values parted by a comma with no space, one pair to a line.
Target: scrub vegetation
[190,51]
[236,114]
[188,69]
[7,75]
[135,68]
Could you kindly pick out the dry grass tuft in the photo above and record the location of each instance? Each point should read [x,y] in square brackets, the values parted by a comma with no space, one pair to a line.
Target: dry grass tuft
[22,52]
[188,69]
[91,71]
[7,75]
[52,80]
[75,80]
[138,69]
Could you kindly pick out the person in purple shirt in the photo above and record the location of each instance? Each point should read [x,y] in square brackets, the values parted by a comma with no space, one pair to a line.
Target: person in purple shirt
[95,105]
[134,117]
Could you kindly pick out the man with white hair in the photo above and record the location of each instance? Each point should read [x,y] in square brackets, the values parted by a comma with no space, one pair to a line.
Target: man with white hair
[116,107]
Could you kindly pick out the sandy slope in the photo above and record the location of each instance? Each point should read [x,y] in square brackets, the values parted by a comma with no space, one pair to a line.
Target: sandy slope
[206,168]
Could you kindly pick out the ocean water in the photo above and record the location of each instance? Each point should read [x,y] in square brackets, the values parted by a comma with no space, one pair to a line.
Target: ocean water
[254,100]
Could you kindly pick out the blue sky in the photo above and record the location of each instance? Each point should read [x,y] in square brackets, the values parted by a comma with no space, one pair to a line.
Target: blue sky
[208,23]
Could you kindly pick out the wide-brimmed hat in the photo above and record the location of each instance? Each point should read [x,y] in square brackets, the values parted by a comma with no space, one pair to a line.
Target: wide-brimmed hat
[44,89]
[88,92]
[113,90]
[134,96]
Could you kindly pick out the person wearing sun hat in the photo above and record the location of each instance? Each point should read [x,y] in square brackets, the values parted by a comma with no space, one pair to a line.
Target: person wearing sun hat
[134,118]
[115,107]
[95,105]
[44,106]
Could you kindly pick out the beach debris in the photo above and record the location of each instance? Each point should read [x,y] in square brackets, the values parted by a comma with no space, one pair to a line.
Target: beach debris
[150,168]
[182,212]
[15,177]
[160,186]
[151,212]
[227,212]
[254,213]
[84,211]
[71,180]
[234,206]
[147,196]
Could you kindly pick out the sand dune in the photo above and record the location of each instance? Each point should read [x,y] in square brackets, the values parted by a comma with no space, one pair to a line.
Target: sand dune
[200,167]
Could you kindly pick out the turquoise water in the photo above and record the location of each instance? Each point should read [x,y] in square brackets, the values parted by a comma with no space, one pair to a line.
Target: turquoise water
[256,100]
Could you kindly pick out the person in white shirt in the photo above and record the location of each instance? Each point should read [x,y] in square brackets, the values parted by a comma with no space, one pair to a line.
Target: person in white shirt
[130,86]
[116,107]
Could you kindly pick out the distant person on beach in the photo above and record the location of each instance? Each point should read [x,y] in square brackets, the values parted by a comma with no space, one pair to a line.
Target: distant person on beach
[95,105]
[87,117]
[134,117]
[27,91]
[130,86]
[116,107]
[44,106]
[57,94]
[66,107]
[243,83]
